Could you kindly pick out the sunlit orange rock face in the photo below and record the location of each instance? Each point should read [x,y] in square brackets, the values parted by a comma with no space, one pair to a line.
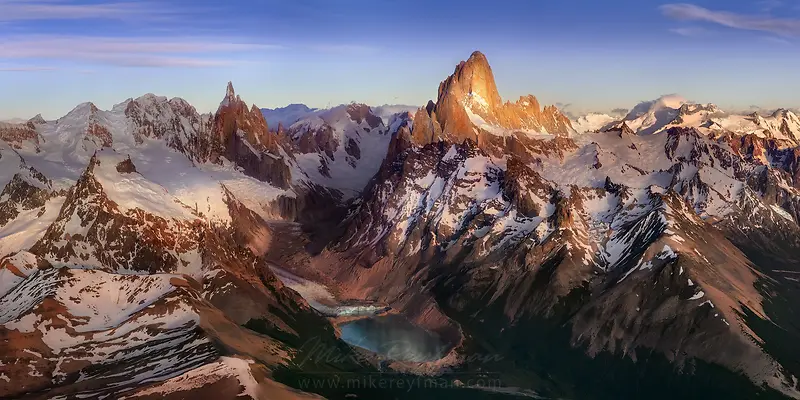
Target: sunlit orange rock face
[234,118]
[471,89]
[246,140]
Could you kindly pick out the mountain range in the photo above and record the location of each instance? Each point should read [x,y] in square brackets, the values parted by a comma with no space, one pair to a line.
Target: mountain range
[152,251]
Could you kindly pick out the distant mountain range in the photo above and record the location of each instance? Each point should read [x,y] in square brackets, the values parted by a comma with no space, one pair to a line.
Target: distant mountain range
[673,111]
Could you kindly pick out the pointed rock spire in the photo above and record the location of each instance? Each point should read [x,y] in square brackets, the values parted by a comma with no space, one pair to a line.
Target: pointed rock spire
[230,97]
[475,78]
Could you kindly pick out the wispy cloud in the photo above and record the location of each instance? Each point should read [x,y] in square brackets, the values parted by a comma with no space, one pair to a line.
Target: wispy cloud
[689,31]
[131,52]
[43,10]
[777,40]
[343,48]
[26,69]
[691,12]
[155,33]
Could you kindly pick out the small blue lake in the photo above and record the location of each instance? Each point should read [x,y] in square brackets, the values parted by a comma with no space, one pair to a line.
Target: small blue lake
[394,337]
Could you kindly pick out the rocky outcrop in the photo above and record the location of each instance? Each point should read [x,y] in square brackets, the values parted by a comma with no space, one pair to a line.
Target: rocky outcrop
[362,112]
[768,151]
[525,188]
[319,140]
[621,129]
[234,116]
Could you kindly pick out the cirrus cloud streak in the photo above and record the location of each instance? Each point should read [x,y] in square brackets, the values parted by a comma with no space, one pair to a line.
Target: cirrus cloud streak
[691,12]
[44,10]
[131,52]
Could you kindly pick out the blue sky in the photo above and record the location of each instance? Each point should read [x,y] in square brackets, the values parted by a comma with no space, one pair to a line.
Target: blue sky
[593,55]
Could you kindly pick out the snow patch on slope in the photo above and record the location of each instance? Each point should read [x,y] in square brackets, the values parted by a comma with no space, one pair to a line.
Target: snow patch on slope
[225,367]
[132,190]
